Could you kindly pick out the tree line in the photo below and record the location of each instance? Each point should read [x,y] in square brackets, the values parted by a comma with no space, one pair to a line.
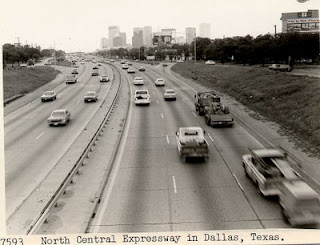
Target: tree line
[25,54]
[282,48]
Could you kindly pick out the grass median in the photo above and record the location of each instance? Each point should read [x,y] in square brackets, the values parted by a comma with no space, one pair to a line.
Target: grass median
[291,101]
[25,80]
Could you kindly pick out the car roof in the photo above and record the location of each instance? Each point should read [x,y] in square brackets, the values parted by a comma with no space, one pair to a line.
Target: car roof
[268,153]
[60,110]
[142,90]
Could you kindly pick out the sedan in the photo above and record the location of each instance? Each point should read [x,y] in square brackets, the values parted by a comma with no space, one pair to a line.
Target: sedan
[210,62]
[90,96]
[170,94]
[159,82]
[104,78]
[141,68]
[48,95]
[59,117]
[138,81]
[131,70]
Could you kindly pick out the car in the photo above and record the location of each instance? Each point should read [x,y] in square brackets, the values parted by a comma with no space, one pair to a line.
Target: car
[129,63]
[74,71]
[138,81]
[210,62]
[111,60]
[280,67]
[142,97]
[299,203]
[164,65]
[99,64]
[170,94]
[179,61]
[122,62]
[71,79]
[90,96]
[94,73]
[141,68]
[104,78]
[159,82]
[125,66]
[268,169]
[48,95]
[59,117]
[23,65]
[131,70]
[95,68]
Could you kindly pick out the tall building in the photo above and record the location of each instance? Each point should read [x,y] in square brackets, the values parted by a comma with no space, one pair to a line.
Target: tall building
[123,36]
[114,31]
[103,43]
[190,34]
[204,30]
[137,39]
[147,36]
[302,22]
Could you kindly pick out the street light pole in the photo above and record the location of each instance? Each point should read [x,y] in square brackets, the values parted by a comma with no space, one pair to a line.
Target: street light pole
[195,56]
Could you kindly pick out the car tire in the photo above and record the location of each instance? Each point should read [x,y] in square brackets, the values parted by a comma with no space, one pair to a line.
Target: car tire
[42,100]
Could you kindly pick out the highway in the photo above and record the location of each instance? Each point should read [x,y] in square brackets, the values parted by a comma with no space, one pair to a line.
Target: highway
[150,188]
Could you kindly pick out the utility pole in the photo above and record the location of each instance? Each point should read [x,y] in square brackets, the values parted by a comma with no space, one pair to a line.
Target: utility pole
[18,38]
[275,30]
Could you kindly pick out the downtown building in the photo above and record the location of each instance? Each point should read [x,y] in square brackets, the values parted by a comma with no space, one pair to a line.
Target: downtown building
[116,39]
[205,30]
[190,34]
[301,22]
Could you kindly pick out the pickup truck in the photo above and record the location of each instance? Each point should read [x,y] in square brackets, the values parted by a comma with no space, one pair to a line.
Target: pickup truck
[142,97]
[191,142]
[268,169]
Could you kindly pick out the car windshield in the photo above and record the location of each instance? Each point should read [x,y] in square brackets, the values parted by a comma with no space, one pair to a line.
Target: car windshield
[104,76]
[160,79]
[58,114]
[48,93]
[141,92]
[91,93]
[170,92]
[138,78]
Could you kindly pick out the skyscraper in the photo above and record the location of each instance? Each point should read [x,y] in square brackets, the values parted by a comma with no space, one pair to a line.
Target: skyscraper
[137,39]
[190,34]
[103,43]
[113,32]
[147,36]
[204,30]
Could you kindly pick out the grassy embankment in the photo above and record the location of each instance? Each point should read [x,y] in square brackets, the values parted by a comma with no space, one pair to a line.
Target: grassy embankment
[25,80]
[291,101]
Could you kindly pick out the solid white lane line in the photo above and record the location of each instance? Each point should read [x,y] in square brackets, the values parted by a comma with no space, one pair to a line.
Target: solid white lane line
[194,114]
[168,139]
[158,101]
[174,184]
[40,135]
[238,182]
[161,115]
[210,137]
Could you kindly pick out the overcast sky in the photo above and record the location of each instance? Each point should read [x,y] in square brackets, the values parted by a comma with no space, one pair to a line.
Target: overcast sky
[78,25]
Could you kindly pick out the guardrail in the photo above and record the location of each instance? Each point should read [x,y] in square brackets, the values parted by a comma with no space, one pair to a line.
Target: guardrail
[7,101]
[41,217]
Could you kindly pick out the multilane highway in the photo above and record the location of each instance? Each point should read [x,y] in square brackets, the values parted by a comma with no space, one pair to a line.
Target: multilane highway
[150,188]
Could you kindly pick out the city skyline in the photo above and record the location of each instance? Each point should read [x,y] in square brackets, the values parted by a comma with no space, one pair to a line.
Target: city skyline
[80,25]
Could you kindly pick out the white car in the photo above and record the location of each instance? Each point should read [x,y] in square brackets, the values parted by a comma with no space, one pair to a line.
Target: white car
[210,62]
[131,70]
[104,78]
[91,96]
[125,66]
[48,95]
[170,94]
[59,117]
[138,81]
[142,97]
[159,82]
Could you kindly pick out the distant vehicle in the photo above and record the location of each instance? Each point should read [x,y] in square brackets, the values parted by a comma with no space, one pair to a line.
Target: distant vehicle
[300,204]
[268,169]
[280,67]
[48,95]
[74,71]
[170,94]
[131,70]
[164,65]
[122,62]
[138,81]
[191,142]
[210,62]
[95,68]
[94,73]
[104,78]
[71,79]
[141,68]
[159,82]
[111,60]
[125,66]
[59,117]
[129,63]
[99,64]
[90,96]
[23,65]
[179,61]
[142,97]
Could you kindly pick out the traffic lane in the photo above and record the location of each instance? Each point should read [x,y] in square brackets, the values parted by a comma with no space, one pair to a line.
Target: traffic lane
[13,120]
[141,186]
[231,144]
[34,160]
